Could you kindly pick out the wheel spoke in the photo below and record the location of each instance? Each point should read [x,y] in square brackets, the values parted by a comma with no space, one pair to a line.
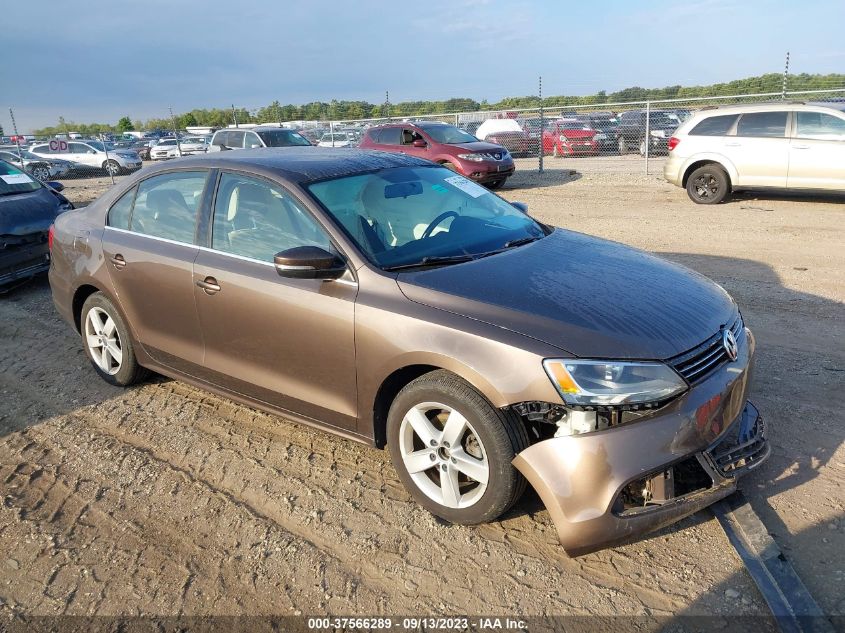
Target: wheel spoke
[454,429]
[93,341]
[109,327]
[418,461]
[422,427]
[114,351]
[105,359]
[449,486]
[473,468]
[94,319]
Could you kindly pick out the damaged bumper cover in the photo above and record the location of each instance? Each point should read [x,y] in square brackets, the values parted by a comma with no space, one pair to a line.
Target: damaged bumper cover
[23,256]
[582,478]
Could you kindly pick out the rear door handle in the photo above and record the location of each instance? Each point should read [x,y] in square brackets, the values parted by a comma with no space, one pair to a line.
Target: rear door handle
[210,285]
[118,261]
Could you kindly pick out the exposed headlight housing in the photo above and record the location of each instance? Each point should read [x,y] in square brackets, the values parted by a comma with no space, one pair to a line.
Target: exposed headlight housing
[608,383]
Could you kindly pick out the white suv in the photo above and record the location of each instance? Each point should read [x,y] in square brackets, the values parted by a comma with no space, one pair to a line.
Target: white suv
[92,154]
[783,145]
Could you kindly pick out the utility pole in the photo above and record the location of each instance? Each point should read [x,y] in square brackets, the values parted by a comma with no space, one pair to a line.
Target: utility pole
[17,138]
[785,74]
[387,104]
[542,125]
[175,132]
[234,115]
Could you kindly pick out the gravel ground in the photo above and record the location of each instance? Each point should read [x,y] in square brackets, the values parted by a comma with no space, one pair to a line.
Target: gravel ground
[163,499]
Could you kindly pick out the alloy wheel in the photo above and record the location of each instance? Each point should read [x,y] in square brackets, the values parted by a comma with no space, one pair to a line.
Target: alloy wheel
[42,173]
[103,341]
[443,455]
[706,186]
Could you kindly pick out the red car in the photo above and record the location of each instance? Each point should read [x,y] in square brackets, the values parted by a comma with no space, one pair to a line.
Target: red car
[486,163]
[569,137]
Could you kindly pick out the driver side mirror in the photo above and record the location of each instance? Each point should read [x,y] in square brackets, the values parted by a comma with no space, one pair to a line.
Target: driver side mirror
[309,262]
[419,143]
[521,206]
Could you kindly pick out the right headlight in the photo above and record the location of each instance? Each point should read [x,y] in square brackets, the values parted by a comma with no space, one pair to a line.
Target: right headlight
[476,158]
[589,383]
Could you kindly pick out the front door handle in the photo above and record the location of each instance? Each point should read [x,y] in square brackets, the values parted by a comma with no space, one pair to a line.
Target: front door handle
[800,147]
[733,144]
[210,285]
[118,262]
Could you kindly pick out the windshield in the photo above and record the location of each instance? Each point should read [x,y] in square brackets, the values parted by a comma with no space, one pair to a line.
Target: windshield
[449,134]
[282,138]
[401,216]
[13,180]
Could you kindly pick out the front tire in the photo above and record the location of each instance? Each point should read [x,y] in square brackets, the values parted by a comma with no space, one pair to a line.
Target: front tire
[709,184]
[496,184]
[453,450]
[112,167]
[107,342]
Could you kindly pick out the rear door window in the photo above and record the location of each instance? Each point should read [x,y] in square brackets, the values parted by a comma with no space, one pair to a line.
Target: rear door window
[122,209]
[714,126]
[762,124]
[389,136]
[166,205]
[252,140]
[820,126]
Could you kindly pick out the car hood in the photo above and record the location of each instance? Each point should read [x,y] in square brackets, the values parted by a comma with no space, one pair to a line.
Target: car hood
[578,133]
[29,212]
[478,146]
[587,296]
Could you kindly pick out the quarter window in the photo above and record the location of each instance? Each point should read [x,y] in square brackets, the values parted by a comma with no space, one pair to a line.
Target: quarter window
[166,205]
[714,126]
[820,126]
[255,219]
[762,124]
[122,209]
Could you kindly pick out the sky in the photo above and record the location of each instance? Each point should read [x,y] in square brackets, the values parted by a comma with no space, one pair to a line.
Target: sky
[99,60]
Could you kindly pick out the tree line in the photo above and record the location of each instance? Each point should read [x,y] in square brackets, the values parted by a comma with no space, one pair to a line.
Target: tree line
[336,110]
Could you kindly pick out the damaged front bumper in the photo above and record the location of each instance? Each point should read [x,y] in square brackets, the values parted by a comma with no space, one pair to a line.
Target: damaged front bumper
[23,256]
[684,458]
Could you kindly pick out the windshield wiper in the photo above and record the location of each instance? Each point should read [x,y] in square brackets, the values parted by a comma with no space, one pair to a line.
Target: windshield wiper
[432,261]
[522,240]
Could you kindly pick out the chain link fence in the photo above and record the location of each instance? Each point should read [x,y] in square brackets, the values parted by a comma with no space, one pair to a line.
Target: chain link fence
[626,137]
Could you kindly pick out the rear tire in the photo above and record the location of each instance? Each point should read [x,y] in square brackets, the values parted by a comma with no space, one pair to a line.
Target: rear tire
[453,450]
[496,184]
[41,172]
[709,184]
[107,343]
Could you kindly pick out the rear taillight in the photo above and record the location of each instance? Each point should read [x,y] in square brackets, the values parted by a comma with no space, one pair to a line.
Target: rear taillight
[50,237]
[673,143]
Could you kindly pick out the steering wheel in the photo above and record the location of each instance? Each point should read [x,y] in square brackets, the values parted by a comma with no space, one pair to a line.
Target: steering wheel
[443,216]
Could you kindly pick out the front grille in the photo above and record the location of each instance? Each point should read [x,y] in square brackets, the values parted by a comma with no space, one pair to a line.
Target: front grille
[743,446]
[702,360]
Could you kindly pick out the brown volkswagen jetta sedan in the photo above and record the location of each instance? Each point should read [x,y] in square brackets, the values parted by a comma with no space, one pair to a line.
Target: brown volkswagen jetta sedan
[394,302]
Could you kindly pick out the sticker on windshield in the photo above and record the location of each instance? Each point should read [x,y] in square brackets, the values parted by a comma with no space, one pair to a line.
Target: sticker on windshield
[16,179]
[467,186]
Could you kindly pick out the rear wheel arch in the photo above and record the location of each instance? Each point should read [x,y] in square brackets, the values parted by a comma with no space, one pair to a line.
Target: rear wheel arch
[706,161]
[79,297]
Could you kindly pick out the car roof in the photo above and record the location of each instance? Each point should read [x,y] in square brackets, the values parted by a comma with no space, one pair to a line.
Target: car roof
[772,105]
[297,164]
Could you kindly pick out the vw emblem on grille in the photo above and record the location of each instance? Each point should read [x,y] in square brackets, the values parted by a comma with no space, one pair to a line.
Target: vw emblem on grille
[730,345]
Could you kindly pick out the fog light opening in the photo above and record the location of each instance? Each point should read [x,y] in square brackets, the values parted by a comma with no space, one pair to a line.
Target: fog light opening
[681,479]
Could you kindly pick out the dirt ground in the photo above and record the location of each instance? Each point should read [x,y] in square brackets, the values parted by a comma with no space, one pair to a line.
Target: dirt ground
[163,499]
